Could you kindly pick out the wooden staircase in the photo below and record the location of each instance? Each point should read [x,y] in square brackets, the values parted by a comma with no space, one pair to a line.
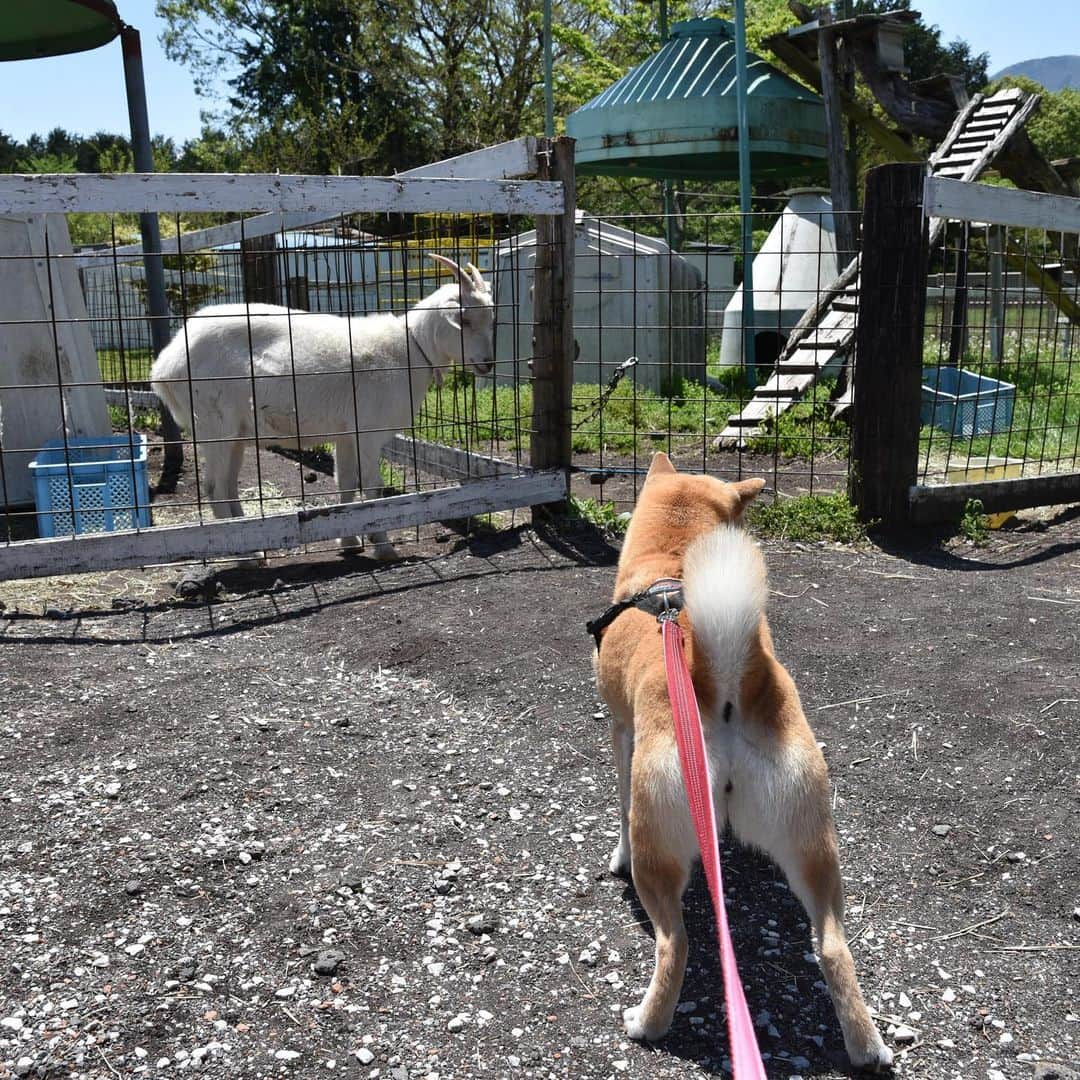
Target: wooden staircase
[823,340]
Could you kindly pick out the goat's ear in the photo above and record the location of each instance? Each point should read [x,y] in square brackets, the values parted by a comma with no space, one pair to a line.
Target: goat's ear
[448,263]
[453,317]
[477,278]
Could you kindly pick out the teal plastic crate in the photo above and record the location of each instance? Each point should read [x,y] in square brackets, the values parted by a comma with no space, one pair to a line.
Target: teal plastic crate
[964,403]
[91,485]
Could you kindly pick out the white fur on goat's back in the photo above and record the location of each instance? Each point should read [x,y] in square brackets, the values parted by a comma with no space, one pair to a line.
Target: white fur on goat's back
[725,589]
[346,370]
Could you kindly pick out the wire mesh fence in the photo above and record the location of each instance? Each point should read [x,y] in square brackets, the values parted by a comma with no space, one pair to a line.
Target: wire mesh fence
[1001,361]
[318,348]
[358,362]
[664,339]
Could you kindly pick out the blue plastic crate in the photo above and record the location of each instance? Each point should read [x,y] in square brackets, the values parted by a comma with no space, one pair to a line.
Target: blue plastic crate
[963,403]
[91,485]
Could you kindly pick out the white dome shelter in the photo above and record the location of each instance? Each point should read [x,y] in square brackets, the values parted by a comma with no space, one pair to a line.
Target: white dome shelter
[795,265]
[633,296]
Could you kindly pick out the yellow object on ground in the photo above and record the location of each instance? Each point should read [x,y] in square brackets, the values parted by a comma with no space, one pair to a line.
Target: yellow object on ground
[987,468]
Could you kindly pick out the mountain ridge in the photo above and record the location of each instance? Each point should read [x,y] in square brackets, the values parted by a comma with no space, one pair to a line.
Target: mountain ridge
[1053,72]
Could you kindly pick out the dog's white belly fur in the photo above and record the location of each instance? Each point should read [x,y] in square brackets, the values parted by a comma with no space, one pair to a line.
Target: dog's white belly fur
[750,784]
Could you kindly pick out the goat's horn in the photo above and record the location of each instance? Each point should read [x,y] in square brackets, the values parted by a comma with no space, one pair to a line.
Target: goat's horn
[476,276]
[448,263]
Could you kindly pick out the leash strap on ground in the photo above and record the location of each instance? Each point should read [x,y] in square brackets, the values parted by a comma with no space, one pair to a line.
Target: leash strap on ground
[745,1056]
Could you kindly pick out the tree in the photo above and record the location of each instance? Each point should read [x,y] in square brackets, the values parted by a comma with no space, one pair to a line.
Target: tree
[924,52]
[1055,127]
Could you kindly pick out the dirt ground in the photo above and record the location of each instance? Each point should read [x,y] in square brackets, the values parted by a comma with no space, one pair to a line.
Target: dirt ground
[354,818]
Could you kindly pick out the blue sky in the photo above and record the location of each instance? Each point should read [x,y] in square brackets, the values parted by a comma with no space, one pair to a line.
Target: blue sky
[85,92]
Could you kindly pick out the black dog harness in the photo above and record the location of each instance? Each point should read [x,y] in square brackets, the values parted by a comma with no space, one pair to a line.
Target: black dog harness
[661,596]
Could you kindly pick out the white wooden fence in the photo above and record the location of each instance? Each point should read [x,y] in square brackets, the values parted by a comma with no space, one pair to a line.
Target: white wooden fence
[463,185]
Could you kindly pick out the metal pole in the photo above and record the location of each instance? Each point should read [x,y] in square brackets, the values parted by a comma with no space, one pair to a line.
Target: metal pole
[549,90]
[139,122]
[670,231]
[741,86]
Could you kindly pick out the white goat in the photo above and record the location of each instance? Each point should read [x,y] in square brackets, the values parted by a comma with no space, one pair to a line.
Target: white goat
[239,373]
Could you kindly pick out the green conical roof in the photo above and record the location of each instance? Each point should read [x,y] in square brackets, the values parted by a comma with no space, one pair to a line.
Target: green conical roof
[34,28]
[676,115]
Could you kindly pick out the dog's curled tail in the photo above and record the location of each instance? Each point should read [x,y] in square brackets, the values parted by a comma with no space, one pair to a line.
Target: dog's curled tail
[725,589]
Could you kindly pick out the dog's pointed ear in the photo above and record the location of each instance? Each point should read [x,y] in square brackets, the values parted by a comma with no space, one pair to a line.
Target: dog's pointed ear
[746,491]
[661,464]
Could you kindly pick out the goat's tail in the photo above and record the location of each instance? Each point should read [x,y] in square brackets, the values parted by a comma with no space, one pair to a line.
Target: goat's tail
[170,387]
[725,589]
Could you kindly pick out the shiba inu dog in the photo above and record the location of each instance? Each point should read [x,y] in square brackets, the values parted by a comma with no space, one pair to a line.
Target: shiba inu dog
[768,776]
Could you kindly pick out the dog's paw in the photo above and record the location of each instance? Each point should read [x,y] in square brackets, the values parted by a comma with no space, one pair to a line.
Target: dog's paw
[620,861]
[639,1029]
[874,1057]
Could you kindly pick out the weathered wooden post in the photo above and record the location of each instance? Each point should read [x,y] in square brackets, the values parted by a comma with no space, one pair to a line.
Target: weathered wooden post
[553,315]
[889,344]
[260,270]
[958,331]
[839,182]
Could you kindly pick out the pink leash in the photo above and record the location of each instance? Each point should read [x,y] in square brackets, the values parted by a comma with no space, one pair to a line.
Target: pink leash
[745,1055]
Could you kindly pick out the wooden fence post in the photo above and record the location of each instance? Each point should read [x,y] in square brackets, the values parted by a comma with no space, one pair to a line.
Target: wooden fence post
[553,314]
[260,270]
[889,344]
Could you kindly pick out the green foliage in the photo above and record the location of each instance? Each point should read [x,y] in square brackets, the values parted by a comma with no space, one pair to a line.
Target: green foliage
[632,419]
[974,525]
[601,515]
[1055,127]
[132,364]
[808,517]
[141,419]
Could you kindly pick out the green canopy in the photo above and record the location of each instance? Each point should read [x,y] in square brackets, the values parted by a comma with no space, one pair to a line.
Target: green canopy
[676,115]
[35,28]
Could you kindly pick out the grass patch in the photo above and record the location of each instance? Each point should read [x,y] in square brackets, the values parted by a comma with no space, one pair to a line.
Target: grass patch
[116,363]
[141,419]
[631,420]
[601,515]
[460,414]
[808,517]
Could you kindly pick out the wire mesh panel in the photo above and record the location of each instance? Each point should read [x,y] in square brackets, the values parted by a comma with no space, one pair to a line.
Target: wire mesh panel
[664,362]
[1001,363]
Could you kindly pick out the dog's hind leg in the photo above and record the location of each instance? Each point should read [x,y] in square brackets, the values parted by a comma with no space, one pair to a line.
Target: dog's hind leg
[801,837]
[814,875]
[663,849]
[622,743]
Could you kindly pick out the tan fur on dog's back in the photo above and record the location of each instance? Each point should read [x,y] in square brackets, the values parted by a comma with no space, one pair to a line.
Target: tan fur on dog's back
[769,780]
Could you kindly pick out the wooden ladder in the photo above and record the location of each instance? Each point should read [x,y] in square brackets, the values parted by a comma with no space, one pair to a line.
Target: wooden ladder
[823,339]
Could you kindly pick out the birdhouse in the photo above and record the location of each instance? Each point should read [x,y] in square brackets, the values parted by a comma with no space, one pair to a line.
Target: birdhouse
[889,41]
